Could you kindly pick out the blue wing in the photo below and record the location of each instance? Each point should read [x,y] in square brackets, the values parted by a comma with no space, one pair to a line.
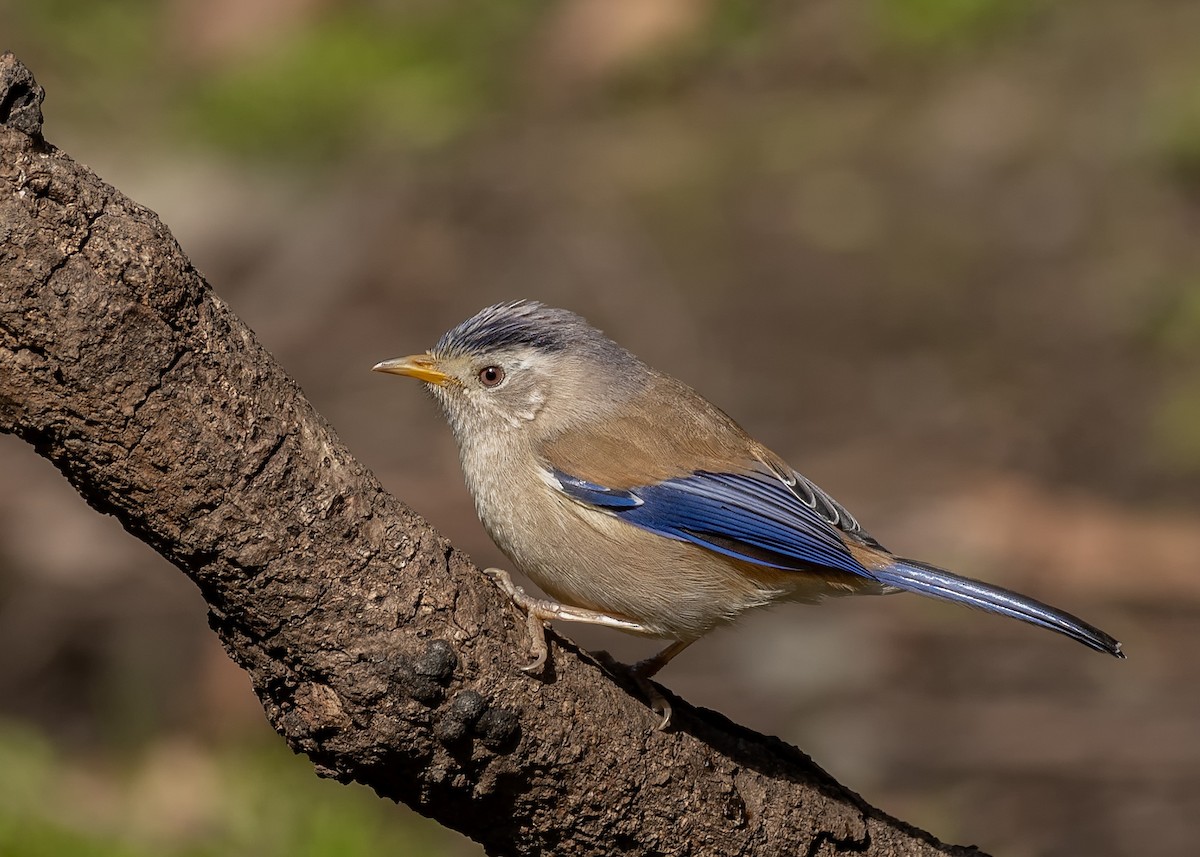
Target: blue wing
[758,518]
[612,499]
[748,516]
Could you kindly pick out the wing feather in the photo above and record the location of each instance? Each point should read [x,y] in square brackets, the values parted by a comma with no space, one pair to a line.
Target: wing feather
[751,516]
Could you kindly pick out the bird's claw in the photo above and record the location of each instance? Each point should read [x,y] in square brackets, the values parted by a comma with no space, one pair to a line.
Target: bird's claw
[658,703]
[535,621]
[537,643]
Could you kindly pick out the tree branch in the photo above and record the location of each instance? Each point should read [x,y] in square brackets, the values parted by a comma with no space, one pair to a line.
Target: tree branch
[375,648]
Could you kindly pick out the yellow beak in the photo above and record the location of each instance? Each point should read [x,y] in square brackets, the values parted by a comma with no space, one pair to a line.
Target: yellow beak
[423,367]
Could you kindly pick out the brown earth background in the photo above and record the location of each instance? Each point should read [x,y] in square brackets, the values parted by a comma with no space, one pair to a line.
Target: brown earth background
[942,255]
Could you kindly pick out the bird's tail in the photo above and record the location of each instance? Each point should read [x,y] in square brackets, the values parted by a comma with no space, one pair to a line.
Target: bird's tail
[913,576]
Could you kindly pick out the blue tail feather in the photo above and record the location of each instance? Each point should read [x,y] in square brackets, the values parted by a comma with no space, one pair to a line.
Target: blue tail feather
[913,576]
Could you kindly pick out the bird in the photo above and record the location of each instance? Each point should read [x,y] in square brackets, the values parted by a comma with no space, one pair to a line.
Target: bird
[635,503]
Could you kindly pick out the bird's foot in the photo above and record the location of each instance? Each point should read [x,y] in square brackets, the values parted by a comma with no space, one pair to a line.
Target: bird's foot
[643,670]
[536,615]
[659,704]
[539,611]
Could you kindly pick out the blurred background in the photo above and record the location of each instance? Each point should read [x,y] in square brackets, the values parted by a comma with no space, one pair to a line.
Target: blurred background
[941,254]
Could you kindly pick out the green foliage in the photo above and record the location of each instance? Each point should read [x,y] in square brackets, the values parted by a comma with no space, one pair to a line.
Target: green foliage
[93,58]
[1177,426]
[29,771]
[116,36]
[1173,327]
[1178,131]
[737,26]
[257,801]
[941,25]
[730,34]
[412,79]
[1173,330]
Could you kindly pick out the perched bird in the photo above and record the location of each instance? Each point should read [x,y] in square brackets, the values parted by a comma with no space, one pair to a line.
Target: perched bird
[637,504]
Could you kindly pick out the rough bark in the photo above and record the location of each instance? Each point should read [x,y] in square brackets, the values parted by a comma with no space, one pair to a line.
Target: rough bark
[375,648]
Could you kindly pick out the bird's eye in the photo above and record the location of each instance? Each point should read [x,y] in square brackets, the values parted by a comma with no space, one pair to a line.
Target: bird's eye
[491,376]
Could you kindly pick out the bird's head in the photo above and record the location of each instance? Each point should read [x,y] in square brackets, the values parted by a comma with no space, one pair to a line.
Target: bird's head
[524,367]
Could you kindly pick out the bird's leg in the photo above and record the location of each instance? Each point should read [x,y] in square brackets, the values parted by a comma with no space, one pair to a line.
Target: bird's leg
[643,670]
[650,666]
[640,674]
[539,611]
